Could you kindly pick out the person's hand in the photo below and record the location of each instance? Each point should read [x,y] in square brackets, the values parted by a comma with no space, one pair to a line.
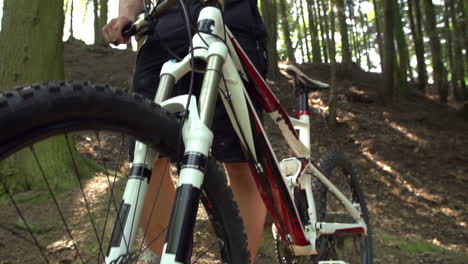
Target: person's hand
[112,31]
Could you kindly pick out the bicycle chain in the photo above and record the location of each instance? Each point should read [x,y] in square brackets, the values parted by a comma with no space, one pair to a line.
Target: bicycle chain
[286,256]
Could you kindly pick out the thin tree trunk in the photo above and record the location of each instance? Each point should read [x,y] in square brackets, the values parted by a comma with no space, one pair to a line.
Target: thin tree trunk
[316,43]
[345,49]
[97,32]
[71,20]
[332,102]
[378,30]
[304,34]
[458,53]
[448,36]
[286,31]
[100,19]
[323,27]
[354,34]
[365,23]
[269,15]
[313,21]
[416,31]
[386,94]
[462,8]
[402,48]
[439,71]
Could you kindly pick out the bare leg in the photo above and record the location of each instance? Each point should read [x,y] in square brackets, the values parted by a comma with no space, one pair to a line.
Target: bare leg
[251,207]
[161,193]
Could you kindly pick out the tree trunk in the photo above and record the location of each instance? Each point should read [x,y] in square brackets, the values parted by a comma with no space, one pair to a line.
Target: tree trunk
[286,31]
[319,7]
[100,19]
[325,8]
[71,20]
[386,94]
[462,9]
[449,46]
[25,62]
[304,33]
[354,34]
[402,48]
[269,15]
[458,54]
[345,49]
[332,102]
[365,23]
[439,71]
[416,31]
[378,30]
[313,21]
[103,10]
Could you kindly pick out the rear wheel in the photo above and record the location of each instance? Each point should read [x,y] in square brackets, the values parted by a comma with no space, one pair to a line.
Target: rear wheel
[73,137]
[350,247]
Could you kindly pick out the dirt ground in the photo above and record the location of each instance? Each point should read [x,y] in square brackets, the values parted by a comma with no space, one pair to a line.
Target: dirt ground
[412,157]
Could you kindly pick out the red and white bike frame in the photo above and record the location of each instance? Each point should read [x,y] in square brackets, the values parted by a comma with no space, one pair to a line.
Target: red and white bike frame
[275,180]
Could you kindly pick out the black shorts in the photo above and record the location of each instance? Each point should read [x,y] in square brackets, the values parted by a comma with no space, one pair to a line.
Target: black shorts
[154,53]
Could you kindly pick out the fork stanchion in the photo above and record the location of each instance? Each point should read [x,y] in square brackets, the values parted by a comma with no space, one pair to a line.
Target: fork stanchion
[197,139]
[165,86]
[209,90]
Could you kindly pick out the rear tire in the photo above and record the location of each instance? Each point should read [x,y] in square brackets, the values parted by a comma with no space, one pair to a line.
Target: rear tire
[30,115]
[351,248]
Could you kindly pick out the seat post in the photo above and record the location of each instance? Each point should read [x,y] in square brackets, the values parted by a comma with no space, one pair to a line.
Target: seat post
[303,96]
[303,103]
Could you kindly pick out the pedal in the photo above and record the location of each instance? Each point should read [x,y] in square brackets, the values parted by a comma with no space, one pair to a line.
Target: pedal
[332,262]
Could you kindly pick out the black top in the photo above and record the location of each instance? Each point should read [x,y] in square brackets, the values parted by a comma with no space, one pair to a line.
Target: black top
[241,16]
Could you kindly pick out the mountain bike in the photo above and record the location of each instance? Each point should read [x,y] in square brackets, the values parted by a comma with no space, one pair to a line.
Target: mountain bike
[318,208]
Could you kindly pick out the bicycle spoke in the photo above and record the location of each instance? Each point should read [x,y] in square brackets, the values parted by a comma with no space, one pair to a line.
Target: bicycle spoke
[165,172]
[55,202]
[77,174]
[24,221]
[155,239]
[137,199]
[111,190]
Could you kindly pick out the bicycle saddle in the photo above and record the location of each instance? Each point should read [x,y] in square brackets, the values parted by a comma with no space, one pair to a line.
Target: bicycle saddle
[306,81]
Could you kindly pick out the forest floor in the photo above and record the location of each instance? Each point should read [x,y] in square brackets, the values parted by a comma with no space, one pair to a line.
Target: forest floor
[412,157]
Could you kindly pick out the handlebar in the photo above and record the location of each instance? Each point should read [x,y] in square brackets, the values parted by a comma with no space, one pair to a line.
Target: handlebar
[129,31]
[144,20]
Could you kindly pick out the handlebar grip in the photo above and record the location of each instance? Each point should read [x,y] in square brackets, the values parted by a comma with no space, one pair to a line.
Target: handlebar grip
[128,31]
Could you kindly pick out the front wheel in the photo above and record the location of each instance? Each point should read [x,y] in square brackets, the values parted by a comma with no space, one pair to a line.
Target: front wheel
[64,166]
[351,248]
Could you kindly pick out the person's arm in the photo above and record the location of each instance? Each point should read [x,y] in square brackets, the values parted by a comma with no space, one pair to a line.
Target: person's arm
[130,8]
[128,12]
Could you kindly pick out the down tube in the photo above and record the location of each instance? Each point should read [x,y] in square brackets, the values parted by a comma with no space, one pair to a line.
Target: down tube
[272,187]
[268,177]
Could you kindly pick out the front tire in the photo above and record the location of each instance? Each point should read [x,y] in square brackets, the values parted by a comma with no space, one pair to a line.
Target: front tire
[52,222]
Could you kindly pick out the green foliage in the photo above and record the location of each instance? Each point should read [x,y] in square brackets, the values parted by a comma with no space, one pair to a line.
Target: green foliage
[410,245]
